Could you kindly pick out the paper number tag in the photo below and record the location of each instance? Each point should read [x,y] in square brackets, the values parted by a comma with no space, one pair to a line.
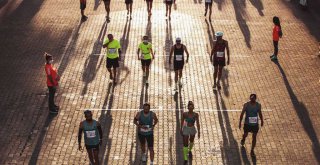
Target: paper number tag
[112,51]
[178,57]
[145,130]
[253,120]
[91,134]
[220,54]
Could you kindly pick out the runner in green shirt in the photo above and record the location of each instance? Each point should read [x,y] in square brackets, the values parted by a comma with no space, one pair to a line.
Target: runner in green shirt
[113,55]
[146,56]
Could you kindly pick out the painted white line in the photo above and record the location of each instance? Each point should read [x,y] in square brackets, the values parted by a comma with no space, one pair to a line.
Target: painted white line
[161,109]
[241,56]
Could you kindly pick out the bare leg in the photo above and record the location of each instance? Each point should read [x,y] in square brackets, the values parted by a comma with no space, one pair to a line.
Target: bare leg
[96,157]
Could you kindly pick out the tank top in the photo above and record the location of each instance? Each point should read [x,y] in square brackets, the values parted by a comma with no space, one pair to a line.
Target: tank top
[252,114]
[178,53]
[146,121]
[220,50]
[91,133]
[190,119]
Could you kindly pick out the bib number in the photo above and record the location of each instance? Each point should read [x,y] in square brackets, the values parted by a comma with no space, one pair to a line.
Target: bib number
[220,54]
[178,57]
[253,120]
[91,134]
[112,51]
[145,128]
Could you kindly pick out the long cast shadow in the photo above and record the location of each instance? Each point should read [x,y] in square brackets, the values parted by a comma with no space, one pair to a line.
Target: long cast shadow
[225,81]
[240,13]
[258,5]
[230,152]
[167,48]
[220,3]
[179,109]
[96,4]
[91,65]
[303,115]
[106,122]
[125,43]
[211,35]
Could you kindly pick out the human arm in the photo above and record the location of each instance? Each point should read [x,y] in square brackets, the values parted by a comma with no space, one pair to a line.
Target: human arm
[136,119]
[100,132]
[242,113]
[185,48]
[155,118]
[261,116]
[152,54]
[228,52]
[198,124]
[182,121]
[80,136]
[138,53]
[212,51]
[105,43]
[170,55]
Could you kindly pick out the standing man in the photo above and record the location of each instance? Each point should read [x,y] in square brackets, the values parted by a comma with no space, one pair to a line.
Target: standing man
[178,59]
[83,5]
[188,130]
[146,56]
[107,7]
[92,137]
[149,7]
[113,56]
[129,7]
[208,4]
[146,120]
[252,109]
[218,57]
[168,7]
[52,82]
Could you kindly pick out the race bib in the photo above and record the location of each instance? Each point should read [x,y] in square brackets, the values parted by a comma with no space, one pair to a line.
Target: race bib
[253,120]
[112,50]
[178,57]
[146,128]
[91,134]
[220,54]
[209,1]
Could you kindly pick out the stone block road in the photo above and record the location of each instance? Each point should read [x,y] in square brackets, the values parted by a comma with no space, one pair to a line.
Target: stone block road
[289,91]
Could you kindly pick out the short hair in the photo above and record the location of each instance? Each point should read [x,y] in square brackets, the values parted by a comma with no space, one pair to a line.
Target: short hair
[87,112]
[47,56]
[146,104]
[253,95]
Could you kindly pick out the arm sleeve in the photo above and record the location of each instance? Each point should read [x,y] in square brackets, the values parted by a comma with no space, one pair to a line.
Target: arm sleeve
[105,41]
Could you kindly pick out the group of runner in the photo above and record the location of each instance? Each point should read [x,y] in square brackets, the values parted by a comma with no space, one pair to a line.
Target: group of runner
[129,3]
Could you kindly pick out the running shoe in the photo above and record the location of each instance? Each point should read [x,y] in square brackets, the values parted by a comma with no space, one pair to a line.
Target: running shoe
[144,157]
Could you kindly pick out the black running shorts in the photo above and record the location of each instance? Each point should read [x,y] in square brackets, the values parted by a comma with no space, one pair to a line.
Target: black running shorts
[112,63]
[250,128]
[148,138]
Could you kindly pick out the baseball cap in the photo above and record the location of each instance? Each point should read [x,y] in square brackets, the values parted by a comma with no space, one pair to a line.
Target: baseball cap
[219,34]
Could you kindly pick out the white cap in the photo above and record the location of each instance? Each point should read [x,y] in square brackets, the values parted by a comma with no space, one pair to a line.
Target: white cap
[178,39]
[219,34]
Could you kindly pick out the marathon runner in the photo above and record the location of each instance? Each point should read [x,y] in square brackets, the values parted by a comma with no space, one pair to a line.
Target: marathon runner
[146,56]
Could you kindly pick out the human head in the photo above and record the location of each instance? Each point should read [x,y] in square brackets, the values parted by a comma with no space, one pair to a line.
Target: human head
[276,20]
[145,39]
[88,115]
[219,35]
[178,40]
[110,37]
[190,105]
[48,58]
[253,98]
[146,108]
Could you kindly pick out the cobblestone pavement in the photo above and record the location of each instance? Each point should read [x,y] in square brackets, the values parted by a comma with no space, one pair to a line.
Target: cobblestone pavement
[288,90]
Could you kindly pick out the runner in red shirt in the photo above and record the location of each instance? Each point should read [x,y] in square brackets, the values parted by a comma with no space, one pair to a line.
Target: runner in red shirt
[277,33]
[52,82]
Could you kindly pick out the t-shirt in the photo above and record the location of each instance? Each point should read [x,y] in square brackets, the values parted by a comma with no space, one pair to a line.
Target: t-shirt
[51,71]
[145,50]
[112,48]
[276,30]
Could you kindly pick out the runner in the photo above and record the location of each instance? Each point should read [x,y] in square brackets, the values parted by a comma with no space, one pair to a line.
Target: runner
[113,56]
[188,130]
[146,120]
[83,5]
[52,82]
[146,56]
[178,60]
[168,7]
[149,7]
[92,137]
[277,33]
[208,4]
[107,7]
[252,109]
[219,60]
[129,7]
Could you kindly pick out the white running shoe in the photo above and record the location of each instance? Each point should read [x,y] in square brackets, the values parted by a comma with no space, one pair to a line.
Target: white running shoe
[151,163]
[147,82]
[144,157]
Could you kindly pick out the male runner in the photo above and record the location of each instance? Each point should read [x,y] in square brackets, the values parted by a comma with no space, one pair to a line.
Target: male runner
[83,5]
[129,7]
[149,7]
[188,130]
[178,59]
[168,8]
[107,7]
[113,55]
[219,59]
[92,137]
[208,4]
[252,109]
[146,120]
[146,56]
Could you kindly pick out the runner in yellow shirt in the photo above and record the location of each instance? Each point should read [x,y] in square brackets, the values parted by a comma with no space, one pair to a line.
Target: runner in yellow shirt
[113,55]
[146,56]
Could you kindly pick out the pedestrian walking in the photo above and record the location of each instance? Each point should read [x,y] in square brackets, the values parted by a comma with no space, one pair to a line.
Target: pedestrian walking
[276,34]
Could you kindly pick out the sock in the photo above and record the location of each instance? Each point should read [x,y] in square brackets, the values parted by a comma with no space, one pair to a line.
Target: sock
[185,153]
[190,146]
